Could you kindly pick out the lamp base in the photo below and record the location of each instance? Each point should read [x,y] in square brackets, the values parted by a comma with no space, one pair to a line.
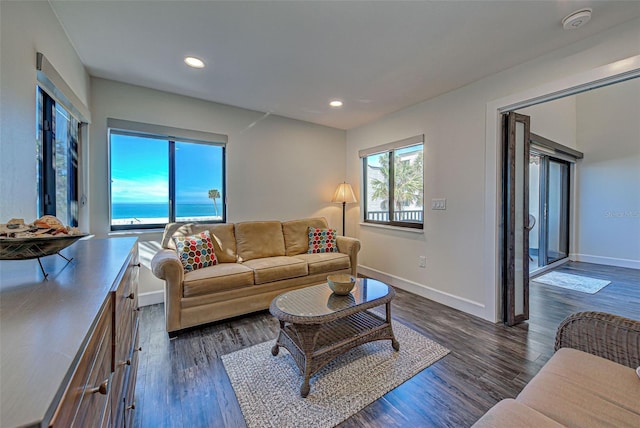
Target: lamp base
[344,206]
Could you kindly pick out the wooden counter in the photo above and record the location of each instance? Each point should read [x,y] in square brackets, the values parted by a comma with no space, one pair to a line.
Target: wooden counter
[57,336]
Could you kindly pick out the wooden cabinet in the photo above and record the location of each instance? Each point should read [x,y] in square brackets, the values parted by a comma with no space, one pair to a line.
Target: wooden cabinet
[86,401]
[69,345]
[125,345]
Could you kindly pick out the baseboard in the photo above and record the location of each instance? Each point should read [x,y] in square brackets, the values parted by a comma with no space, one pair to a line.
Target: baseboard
[456,302]
[609,261]
[151,298]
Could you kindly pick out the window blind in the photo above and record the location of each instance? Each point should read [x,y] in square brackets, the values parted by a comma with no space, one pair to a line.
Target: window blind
[50,81]
[127,127]
[400,144]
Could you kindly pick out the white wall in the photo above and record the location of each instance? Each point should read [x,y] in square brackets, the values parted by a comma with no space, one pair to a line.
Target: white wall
[554,120]
[27,27]
[608,198]
[277,168]
[460,165]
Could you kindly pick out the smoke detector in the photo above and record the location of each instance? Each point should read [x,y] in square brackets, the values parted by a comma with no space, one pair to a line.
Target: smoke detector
[576,19]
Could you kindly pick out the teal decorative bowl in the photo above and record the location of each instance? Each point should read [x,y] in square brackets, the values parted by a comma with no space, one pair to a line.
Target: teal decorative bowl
[341,283]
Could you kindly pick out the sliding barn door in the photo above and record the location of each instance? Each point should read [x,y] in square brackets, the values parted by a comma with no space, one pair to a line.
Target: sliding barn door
[515,194]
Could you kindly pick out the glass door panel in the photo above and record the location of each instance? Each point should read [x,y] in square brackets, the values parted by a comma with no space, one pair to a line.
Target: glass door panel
[548,210]
[519,249]
[535,161]
[516,218]
[557,211]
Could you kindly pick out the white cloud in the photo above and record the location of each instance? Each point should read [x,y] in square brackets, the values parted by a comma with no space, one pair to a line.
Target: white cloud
[146,190]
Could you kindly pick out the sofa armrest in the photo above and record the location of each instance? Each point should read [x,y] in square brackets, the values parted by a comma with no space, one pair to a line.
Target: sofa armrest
[166,265]
[349,246]
[605,335]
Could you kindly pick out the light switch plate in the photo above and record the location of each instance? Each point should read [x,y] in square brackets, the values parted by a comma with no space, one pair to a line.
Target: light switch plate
[439,204]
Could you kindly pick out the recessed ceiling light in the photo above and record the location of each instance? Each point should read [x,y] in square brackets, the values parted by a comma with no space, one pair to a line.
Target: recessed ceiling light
[336,103]
[194,62]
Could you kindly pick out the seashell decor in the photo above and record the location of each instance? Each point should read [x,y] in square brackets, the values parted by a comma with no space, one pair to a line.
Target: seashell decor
[45,236]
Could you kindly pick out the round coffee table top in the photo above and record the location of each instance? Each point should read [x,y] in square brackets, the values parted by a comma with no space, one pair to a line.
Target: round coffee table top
[317,304]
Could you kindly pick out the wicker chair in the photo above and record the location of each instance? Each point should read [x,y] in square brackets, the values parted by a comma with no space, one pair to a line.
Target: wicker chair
[605,335]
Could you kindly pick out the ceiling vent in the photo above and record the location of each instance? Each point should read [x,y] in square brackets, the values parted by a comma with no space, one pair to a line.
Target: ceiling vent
[576,19]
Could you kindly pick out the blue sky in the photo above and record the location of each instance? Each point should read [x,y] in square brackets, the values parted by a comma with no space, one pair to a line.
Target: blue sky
[140,170]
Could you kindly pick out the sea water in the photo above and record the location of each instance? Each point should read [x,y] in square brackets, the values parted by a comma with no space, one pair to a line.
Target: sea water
[159,210]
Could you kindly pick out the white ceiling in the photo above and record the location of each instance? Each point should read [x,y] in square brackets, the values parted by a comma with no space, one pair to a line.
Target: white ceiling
[291,58]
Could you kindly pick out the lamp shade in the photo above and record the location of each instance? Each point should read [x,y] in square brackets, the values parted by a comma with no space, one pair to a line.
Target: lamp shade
[344,194]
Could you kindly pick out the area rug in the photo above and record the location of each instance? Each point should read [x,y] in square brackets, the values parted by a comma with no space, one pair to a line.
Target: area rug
[268,387]
[573,282]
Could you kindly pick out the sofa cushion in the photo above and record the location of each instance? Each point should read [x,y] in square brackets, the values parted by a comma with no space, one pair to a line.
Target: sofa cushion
[578,389]
[296,234]
[259,239]
[222,236]
[224,241]
[195,251]
[276,268]
[322,241]
[325,262]
[221,277]
[510,413]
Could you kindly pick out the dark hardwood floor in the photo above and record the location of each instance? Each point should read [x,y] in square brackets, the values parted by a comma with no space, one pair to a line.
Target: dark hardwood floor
[182,382]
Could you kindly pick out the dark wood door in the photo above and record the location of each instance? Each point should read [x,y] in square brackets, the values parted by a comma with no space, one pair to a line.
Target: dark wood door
[515,203]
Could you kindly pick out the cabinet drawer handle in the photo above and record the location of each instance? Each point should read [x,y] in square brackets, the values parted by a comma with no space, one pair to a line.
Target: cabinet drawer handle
[126,363]
[139,349]
[137,264]
[131,296]
[131,407]
[136,310]
[101,389]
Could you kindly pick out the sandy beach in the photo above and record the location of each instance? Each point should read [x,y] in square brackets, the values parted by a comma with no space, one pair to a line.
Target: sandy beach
[160,220]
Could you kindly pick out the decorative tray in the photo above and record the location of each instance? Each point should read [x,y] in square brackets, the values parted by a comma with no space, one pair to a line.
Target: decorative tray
[35,247]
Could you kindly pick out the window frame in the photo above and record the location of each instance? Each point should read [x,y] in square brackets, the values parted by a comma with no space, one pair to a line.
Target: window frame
[47,166]
[390,150]
[171,136]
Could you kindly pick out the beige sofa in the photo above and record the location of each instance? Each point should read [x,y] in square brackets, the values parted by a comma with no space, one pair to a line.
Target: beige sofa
[589,382]
[256,262]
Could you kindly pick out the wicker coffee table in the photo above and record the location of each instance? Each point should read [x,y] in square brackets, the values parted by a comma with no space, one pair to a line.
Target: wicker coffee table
[316,325]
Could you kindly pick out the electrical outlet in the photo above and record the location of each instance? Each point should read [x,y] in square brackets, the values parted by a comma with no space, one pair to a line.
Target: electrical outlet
[439,204]
[422,261]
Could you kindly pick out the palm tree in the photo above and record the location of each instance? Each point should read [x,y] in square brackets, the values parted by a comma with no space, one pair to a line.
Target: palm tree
[214,194]
[381,187]
[408,185]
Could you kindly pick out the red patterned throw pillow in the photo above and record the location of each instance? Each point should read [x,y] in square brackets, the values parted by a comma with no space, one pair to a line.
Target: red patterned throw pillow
[322,241]
[196,251]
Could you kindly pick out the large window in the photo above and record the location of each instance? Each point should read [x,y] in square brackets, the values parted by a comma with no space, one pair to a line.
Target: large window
[393,177]
[57,138]
[157,179]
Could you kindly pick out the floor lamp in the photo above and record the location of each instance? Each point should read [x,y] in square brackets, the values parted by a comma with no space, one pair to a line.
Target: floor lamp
[344,194]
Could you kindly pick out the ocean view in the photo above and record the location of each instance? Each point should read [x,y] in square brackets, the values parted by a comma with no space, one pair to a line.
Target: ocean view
[161,210]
